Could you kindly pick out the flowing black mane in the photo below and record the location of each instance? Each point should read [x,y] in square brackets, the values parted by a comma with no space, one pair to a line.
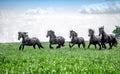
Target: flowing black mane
[76,40]
[93,39]
[28,41]
[55,39]
[107,38]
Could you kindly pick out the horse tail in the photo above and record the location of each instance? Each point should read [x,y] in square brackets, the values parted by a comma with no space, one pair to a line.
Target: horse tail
[39,43]
[84,43]
[63,42]
[115,42]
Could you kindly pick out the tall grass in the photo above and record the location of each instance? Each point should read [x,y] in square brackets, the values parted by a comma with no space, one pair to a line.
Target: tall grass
[58,61]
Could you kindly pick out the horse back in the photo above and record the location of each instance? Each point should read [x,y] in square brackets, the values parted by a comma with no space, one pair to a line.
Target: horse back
[60,38]
[80,39]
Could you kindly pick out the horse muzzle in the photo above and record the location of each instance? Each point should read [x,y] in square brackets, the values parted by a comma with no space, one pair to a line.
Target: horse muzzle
[47,36]
[99,35]
[18,38]
[89,35]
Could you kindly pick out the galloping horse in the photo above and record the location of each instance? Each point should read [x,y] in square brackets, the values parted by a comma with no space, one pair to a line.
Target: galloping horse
[55,40]
[105,38]
[93,39]
[76,40]
[28,41]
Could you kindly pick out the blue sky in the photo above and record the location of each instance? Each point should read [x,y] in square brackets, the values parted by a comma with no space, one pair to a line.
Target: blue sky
[67,4]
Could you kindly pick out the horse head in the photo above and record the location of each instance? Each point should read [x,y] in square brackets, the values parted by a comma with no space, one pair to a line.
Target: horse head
[73,33]
[101,30]
[91,32]
[21,35]
[50,33]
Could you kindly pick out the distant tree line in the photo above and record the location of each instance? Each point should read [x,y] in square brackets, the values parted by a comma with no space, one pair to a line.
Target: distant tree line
[116,31]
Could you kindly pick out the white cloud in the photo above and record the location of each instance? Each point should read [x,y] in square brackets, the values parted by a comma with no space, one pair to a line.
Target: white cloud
[101,8]
[38,11]
[38,21]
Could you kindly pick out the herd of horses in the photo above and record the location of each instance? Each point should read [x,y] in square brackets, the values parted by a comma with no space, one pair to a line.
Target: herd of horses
[99,40]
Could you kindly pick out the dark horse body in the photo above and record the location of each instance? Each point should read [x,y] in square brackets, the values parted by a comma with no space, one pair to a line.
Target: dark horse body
[28,41]
[105,38]
[94,39]
[76,40]
[55,40]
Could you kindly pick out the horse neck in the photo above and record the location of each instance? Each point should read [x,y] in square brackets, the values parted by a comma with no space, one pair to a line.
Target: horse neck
[73,37]
[92,36]
[104,34]
[52,36]
[24,38]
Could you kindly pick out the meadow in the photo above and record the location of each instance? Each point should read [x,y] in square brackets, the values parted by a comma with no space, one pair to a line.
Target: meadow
[58,61]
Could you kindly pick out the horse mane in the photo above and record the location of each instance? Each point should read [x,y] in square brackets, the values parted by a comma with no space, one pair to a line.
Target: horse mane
[91,30]
[103,32]
[25,34]
[52,32]
[74,33]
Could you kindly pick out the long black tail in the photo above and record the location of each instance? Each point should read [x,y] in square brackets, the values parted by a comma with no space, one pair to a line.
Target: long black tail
[39,44]
[115,42]
[83,44]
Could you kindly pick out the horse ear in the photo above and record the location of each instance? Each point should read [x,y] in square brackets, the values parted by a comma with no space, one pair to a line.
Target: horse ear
[26,32]
[53,32]
[93,31]
[71,30]
[102,27]
[89,29]
[19,32]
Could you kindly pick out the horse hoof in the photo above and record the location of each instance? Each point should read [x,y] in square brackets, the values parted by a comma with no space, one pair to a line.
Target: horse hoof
[70,46]
[57,47]
[51,48]
[42,47]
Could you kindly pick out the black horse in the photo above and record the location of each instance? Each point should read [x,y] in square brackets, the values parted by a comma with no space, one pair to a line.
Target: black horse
[107,38]
[76,40]
[28,41]
[55,40]
[93,39]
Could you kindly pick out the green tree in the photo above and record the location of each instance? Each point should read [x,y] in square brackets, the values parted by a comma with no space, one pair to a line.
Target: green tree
[116,31]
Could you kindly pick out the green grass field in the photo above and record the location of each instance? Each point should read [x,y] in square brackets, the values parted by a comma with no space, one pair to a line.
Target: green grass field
[58,61]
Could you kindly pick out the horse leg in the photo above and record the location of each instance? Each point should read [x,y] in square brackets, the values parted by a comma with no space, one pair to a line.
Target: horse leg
[34,47]
[41,45]
[95,46]
[51,46]
[63,45]
[89,45]
[79,45]
[72,45]
[104,45]
[58,46]
[99,46]
[69,44]
[110,45]
[83,44]
[22,47]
